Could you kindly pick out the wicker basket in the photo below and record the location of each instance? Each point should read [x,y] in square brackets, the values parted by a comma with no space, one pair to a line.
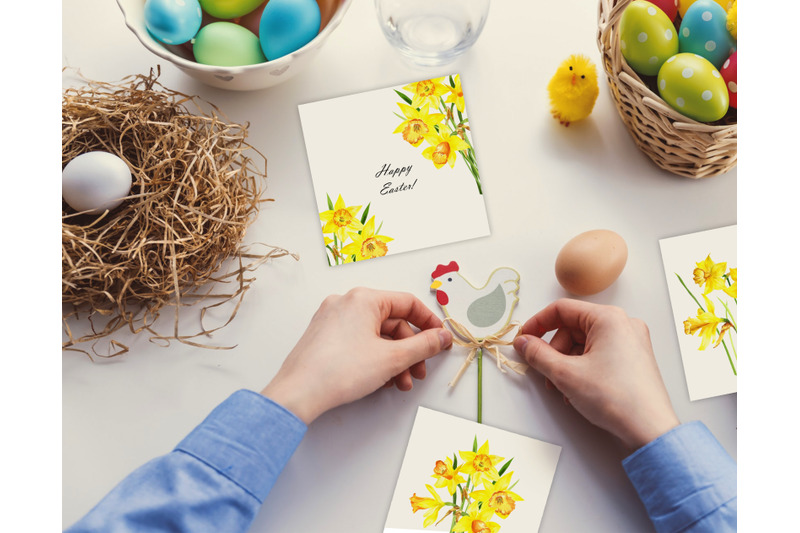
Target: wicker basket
[673,141]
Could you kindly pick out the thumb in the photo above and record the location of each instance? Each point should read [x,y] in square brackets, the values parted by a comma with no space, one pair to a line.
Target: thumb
[540,355]
[422,345]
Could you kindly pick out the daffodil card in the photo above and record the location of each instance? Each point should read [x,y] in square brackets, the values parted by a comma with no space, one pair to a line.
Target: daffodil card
[458,475]
[394,170]
[701,277]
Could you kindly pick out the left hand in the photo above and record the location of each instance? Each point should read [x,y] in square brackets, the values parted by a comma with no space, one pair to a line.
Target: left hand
[355,344]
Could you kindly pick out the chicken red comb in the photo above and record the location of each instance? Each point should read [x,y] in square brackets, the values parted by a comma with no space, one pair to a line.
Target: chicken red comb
[442,269]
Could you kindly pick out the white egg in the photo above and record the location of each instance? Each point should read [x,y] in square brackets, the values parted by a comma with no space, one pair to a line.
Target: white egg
[95,181]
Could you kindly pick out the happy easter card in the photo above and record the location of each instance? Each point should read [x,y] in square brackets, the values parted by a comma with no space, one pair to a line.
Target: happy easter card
[459,475]
[702,281]
[394,170]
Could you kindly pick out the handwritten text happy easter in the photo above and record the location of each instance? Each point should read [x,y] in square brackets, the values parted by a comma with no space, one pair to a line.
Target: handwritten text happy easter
[389,172]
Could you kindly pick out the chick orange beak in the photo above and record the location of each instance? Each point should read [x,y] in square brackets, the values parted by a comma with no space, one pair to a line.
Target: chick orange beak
[435,285]
[573,79]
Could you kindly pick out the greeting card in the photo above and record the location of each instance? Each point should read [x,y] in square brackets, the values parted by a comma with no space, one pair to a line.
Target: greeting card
[459,475]
[394,170]
[702,279]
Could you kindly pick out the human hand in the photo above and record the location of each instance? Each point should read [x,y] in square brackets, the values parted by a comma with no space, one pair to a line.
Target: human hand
[602,361]
[355,344]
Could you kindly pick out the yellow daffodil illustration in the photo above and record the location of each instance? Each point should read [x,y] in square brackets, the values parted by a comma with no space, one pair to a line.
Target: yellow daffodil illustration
[477,520]
[443,147]
[446,131]
[341,219]
[498,497]
[456,95]
[368,245]
[418,123]
[731,290]
[433,506]
[710,274]
[481,465]
[446,476]
[426,92]
[709,324]
[470,510]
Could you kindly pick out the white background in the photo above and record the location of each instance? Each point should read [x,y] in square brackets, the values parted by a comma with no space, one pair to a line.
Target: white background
[708,372]
[437,436]
[350,139]
[528,39]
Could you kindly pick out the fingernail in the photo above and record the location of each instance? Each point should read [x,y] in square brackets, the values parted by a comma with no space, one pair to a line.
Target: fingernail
[445,338]
[519,344]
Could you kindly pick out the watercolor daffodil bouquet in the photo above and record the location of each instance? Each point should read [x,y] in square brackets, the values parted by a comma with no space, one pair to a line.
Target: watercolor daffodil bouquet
[719,285]
[349,236]
[472,494]
[433,114]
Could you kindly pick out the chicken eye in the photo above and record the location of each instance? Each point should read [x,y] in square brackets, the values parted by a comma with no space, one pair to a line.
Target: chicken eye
[582,76]
[570,67]
[449,279]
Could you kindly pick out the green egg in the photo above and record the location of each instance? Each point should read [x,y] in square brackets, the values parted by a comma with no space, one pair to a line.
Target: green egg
[694,87]
[647,37]
[226,44]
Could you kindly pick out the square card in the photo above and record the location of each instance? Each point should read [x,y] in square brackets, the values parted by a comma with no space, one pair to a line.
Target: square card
[394,170]
[701,276]
[511,498]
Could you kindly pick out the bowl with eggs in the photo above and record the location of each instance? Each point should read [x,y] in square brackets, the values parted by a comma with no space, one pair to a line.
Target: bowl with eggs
[240,45]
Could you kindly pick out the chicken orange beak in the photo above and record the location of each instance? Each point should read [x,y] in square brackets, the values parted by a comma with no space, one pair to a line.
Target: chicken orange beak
[573,79]
[435,285]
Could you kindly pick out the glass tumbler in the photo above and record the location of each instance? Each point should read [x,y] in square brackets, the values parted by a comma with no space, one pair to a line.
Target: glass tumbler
[431,33]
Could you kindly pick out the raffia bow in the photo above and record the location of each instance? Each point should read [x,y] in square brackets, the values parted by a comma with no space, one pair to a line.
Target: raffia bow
[489,343]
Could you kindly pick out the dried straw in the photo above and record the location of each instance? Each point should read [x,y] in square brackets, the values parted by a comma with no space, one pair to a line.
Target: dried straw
[194,194]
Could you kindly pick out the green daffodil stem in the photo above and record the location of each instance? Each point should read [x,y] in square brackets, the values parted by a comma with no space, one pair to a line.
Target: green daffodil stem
[690,292]
[733,346]
[729,358]
[480,385]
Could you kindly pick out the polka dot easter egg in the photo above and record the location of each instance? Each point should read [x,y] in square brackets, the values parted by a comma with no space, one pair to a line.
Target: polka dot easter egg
[669,7]
[172,21]
[703,31]
[691,85]
[728,72]
[647,37]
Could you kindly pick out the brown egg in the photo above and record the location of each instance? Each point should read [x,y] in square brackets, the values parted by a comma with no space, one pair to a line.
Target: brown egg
[591,261]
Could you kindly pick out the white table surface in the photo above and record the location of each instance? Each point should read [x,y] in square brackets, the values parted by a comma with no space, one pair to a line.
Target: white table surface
[543,184]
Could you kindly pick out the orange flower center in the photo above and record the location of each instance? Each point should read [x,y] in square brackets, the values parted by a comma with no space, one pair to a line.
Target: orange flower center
[425,88]
[414,131]
[342,217]
[415,503]
[479,526]
[441,470]
[373,247]
[441,153]
[502,503]
[482,463]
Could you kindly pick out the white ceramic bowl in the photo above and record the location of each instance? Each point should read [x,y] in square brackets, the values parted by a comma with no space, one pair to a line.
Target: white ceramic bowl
[244,78]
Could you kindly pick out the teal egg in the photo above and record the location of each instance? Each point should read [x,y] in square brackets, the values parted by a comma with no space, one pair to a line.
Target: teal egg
[703,31]
[172,21]
[288,25]
[694,87]
[647,37]
[226,44]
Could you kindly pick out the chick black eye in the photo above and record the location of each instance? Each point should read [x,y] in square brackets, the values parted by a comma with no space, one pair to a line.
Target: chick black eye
[582,76]
[449,279]
[570,67]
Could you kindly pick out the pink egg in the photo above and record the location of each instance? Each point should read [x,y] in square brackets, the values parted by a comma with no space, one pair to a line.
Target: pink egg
[670,7]
[728,72]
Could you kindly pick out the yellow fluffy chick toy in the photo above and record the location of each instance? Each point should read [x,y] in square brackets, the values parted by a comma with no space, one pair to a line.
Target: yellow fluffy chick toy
[573,89]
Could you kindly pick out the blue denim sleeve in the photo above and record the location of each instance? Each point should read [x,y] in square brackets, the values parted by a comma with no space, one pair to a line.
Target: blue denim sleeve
[686,480]
[214,480]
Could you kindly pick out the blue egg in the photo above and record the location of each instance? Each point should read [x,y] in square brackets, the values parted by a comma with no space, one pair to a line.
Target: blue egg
[173,21]
[288,25]
[703,32]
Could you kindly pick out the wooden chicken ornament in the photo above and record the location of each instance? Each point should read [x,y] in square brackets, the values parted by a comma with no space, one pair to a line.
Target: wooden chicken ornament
[479,315]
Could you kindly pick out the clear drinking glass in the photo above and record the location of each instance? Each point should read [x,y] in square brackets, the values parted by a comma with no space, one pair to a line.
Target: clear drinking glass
[432,32]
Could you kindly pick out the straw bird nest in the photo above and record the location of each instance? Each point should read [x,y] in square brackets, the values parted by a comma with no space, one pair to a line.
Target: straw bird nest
[196,189]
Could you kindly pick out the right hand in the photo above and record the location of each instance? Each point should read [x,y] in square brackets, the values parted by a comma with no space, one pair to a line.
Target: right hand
[602,361]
